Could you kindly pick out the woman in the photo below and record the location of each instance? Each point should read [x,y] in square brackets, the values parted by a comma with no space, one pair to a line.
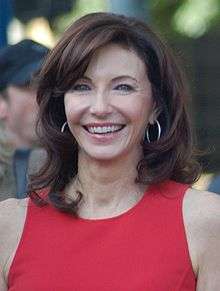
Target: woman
[117,211]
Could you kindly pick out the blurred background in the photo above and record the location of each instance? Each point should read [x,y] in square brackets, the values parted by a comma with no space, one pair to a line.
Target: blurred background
[190,27]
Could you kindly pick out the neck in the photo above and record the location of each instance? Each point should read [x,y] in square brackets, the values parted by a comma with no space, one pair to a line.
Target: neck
[108,187]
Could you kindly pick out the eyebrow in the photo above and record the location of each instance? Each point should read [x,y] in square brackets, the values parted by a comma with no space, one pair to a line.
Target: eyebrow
[118,78]
[124,77]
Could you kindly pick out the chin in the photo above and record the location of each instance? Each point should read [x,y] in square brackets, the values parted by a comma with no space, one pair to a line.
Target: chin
[116,153]
[103,155]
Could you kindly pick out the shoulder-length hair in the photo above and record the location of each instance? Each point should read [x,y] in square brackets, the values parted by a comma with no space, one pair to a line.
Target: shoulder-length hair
[170,157]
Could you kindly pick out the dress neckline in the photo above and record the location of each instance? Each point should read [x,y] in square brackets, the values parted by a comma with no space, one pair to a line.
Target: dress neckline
[129,212]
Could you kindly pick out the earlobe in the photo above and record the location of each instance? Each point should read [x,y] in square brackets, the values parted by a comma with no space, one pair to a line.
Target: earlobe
[3,109]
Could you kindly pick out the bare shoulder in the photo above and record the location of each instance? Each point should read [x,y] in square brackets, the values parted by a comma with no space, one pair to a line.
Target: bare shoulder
[12,218]
[202,208]
[12,212]
[201,212]
[202,205]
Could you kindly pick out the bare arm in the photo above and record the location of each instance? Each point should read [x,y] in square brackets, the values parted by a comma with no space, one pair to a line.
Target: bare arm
[202,220]
[3,286]
[12,217]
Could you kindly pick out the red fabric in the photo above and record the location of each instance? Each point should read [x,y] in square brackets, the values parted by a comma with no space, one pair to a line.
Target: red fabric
[144,249]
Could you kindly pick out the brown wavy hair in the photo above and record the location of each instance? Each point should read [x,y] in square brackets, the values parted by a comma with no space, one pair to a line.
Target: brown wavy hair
[171,157]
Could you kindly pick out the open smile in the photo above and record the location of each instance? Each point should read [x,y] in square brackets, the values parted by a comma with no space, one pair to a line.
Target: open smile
[103,129]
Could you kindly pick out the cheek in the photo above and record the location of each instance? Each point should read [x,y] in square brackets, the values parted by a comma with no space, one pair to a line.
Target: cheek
[138,111]
[31,109]
[74,109]
[23,107]
[16,112]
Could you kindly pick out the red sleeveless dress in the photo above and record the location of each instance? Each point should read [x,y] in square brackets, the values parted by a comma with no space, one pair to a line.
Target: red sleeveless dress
[143,249]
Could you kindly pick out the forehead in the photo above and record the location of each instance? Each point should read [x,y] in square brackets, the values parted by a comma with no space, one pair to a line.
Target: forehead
[113,60]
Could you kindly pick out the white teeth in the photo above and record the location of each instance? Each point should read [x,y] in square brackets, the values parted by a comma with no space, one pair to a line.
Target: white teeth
[104,129]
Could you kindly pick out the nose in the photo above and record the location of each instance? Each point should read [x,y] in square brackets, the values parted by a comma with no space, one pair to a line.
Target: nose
[100,105]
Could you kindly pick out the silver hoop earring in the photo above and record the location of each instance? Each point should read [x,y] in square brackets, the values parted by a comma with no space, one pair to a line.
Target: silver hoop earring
[63,127]
[158,131]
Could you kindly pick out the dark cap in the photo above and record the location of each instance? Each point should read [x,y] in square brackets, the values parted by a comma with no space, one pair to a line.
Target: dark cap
[19,62]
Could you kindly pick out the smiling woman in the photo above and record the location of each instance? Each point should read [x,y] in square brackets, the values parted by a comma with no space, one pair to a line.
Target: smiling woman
[108,109]
[117,207]
[146,68]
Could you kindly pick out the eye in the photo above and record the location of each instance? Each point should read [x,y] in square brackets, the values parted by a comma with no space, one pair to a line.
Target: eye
[81,87]
[124,87]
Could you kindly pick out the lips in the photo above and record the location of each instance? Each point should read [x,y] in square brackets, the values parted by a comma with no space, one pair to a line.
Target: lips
[103,128]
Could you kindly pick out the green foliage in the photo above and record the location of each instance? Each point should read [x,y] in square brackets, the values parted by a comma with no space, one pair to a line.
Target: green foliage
[189,18]
[173,18]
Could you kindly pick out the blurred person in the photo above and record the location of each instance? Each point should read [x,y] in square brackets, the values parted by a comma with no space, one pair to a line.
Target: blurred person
[112,207]
[18,107]
[7,185]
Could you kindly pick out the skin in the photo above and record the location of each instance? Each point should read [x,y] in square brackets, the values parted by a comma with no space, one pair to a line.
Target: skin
[107,168]
[19,112]
[116,92]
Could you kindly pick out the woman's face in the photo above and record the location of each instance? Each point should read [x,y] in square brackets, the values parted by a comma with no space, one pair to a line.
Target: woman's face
[109,108]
